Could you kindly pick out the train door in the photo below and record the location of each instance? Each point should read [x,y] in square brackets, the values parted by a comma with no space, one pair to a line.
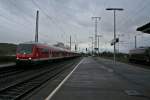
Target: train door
[45,52]
[36,52]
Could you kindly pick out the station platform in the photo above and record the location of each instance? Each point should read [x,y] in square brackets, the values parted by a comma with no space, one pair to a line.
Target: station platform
[7,65]
[92,80]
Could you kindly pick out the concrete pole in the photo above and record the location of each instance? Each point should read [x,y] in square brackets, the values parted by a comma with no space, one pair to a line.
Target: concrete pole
[70,42]
[135,41]
[91,44]
[114,36]
[37,23]
[98,41]
[98,44]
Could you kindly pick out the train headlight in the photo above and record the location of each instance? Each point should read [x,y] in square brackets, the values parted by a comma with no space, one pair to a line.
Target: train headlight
[30,58]
[17,58]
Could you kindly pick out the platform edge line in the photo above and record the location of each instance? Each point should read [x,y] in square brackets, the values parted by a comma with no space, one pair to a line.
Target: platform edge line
[64,80]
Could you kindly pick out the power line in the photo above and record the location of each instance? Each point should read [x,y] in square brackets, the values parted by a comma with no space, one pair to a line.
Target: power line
[137,12]
[49,17]
[20,10]
[8,20]
[11,20]
[96,19]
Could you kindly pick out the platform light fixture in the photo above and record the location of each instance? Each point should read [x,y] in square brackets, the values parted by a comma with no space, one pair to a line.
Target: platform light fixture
[115,9]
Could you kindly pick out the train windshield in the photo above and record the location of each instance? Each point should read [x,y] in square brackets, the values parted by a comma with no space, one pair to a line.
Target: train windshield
[24,48]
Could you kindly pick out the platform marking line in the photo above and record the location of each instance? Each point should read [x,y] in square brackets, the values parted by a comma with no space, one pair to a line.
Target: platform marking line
[66,78]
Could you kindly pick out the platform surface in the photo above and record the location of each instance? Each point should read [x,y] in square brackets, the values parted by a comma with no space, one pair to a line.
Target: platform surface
[94,80]
[7,65]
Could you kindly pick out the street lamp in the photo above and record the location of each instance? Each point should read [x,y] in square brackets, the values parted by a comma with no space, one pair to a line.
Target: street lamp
[98,41]
[115,9]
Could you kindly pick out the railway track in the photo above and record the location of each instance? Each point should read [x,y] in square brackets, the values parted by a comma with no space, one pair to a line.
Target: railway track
[13,71]
[10,73]
[7,69]
[18,90]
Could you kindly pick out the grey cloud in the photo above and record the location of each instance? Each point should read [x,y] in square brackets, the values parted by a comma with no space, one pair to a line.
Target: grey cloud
[17,19]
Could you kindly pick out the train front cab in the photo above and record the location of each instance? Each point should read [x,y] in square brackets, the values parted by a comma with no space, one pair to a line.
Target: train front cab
[26,54]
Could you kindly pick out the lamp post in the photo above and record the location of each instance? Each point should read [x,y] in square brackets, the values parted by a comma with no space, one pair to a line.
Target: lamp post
[98,42]
[114,10]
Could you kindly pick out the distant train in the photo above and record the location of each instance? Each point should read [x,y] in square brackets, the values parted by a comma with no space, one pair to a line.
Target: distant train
[141,54]
[37,52]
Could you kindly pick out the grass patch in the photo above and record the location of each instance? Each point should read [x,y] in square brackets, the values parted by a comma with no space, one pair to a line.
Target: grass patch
[6,59]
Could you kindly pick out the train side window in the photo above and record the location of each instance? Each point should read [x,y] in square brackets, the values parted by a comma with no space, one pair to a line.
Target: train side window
[50,52]
[44,50]
[146,52]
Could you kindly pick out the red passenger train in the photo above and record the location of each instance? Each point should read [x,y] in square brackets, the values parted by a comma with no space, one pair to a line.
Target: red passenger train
[36,52]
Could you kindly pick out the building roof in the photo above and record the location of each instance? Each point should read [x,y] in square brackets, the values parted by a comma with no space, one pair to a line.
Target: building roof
[145,28]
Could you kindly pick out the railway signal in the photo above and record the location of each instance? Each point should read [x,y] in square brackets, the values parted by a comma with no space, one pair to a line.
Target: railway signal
[114,41]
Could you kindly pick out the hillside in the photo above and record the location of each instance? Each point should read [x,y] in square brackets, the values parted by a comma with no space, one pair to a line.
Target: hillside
[7,49]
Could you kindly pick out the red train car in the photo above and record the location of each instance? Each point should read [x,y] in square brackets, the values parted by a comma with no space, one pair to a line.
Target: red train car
[36,52]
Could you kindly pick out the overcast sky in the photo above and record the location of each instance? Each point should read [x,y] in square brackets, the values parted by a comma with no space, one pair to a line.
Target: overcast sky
[61,18]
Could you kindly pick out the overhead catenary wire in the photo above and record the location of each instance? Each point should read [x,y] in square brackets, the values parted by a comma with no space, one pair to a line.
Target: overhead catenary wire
[6,18]
[9,21]
[49,17]
[12,21]
[60,28]
[21,11]
[135,13]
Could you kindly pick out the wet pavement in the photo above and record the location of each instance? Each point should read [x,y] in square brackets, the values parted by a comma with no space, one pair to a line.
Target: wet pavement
[100,79]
